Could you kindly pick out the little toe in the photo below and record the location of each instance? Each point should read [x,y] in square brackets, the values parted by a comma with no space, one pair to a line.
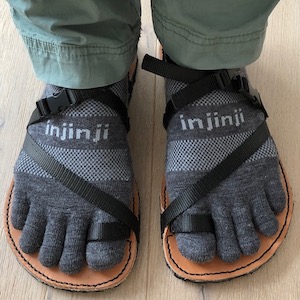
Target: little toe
[73,255]
[227,245]
[245,231]
[104,255]
[53,244]
[263,216]
[20,209]
[198,247]
[33,231]
[274,190]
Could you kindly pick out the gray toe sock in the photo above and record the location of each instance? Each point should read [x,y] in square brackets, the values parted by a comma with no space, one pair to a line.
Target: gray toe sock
[91,140]
[200,136]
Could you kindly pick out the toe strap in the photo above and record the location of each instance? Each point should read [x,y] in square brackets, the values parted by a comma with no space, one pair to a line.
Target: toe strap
[108,232]
[193,193]
[193,224]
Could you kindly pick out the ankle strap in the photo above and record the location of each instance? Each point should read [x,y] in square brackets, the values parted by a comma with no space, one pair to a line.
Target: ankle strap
[66,98]
[200,84]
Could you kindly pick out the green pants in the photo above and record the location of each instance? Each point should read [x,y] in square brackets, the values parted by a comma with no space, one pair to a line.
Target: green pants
[91,43]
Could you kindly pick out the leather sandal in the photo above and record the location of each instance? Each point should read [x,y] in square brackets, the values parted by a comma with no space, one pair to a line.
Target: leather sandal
[86,280]
[200,84]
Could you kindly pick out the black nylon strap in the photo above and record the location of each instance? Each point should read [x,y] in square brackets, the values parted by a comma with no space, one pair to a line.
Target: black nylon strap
[171,71]
[193,224]
[218,80]
[114,102]
[232,162]
[78,185]
[200,84]
[108,232]
[66,98]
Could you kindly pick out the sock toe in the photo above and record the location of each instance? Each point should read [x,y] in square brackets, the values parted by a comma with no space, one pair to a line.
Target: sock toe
[73,255]
[104,255]
[245,231]
[33,231]
[20,209]
[263,216]
[198,247]
[269,227]
[227,244]
[69,266]
[229,252]
[53,244]
[274,189]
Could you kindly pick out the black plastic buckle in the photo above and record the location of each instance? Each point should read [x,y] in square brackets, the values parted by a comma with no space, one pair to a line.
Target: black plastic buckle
[54,104]
[223,78]
[249,93]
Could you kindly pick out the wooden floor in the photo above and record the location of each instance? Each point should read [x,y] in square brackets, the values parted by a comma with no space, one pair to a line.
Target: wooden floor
[276,74]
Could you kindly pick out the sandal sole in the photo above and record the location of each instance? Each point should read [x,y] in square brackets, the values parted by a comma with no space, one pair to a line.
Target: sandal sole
[87,280]
[218,270]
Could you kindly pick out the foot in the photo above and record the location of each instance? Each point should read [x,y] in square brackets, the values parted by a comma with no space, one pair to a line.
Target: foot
[200,136]
[89,139]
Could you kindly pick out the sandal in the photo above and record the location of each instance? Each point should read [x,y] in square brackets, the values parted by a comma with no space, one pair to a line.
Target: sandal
[216,270]
[86,280]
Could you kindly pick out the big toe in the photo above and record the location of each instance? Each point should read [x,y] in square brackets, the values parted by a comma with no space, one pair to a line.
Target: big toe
[198,247]
[104,255]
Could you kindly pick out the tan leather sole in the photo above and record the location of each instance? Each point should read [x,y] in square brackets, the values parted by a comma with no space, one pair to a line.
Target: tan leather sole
[217,270]
[87,280]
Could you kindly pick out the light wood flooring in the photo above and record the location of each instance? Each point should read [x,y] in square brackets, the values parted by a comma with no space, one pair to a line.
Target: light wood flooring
[277,76]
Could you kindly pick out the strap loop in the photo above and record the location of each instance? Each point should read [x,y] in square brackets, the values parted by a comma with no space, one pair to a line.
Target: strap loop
[193,224]
[108,232]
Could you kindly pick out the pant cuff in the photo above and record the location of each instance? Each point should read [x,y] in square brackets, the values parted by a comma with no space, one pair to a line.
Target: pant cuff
[198,51]
[80,67]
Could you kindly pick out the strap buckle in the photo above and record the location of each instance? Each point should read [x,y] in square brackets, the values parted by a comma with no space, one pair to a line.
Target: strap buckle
[223,78]
[54,104]
[250,93]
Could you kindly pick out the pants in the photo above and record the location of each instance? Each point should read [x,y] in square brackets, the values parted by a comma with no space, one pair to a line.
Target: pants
[91,43]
